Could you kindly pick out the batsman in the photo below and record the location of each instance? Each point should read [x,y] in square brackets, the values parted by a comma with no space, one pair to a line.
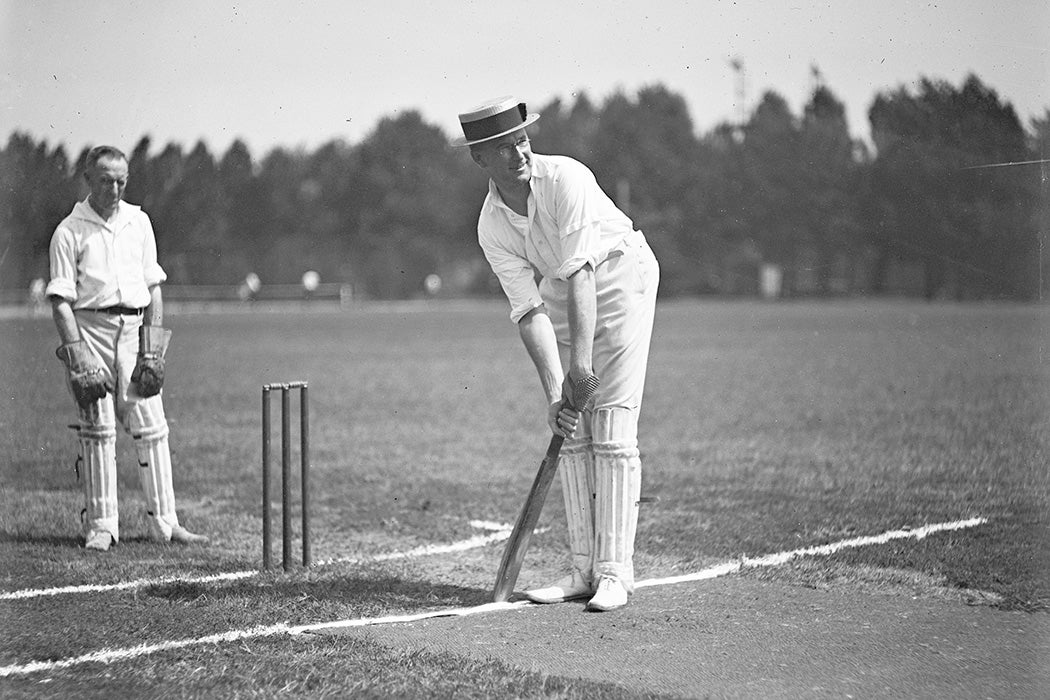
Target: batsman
[581,282]
[107,305]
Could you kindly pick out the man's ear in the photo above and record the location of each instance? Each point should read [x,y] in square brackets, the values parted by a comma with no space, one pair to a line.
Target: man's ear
[475,155]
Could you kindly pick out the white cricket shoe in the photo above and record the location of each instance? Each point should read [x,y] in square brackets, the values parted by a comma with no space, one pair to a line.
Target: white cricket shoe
[98,540]
[609,595]
[568,588]
[180,535]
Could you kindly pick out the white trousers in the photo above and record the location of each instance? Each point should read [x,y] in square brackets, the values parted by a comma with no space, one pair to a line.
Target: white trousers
[625,284]
[601,470]
[114,340]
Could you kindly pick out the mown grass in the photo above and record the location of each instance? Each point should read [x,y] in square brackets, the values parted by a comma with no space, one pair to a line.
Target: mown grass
[294,667]
[766,427]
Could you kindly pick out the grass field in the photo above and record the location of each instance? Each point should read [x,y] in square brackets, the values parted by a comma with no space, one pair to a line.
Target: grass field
[767,427]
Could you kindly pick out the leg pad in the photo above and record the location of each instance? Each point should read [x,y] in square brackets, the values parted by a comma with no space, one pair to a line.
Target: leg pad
[618,481]
[149,428]
[97,438]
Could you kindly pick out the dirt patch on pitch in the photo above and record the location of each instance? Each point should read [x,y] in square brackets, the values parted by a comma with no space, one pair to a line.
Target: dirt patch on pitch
[737,637]
[825,575]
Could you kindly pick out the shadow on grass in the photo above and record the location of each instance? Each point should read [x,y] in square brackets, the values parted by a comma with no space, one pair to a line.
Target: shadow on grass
[59,541]
[366,595]
[77,540]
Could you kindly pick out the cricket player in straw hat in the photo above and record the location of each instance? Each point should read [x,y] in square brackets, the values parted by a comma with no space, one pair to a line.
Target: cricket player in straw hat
[591,313]
[107,305]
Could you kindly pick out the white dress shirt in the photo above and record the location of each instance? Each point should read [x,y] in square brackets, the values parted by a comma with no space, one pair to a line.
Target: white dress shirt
[570,222]
[96,264]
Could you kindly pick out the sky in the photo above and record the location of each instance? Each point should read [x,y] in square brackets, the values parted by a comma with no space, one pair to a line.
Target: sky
[301,74]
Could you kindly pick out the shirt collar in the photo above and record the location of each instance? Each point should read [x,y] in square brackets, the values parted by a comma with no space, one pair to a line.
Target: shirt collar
[84,210]
[540,167]
[495,197]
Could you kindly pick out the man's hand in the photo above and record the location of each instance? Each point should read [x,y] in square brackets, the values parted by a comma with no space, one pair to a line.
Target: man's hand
[148,375]
[577,395]
[562,419]
[87,377]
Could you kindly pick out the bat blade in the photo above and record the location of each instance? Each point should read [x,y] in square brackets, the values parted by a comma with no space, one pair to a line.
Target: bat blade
[518,544]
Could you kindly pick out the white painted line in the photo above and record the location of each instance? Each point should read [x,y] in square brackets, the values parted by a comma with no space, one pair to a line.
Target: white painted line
[503,532]
[821,550]
[414,617]
[489,525]
[432,549]
[112,655]
[108,656]
[123,585]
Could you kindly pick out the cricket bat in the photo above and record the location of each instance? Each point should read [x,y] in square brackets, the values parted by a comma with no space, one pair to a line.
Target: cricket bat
[518,544]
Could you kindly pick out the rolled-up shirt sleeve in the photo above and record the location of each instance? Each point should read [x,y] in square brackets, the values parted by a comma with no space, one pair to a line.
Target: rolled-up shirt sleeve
[63,260]
[581,247]
[579,220]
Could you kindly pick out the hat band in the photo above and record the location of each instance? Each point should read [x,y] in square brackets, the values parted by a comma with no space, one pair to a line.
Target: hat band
[496,124]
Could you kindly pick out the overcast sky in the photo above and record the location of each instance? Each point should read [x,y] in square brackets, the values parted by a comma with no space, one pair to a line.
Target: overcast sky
[302,73]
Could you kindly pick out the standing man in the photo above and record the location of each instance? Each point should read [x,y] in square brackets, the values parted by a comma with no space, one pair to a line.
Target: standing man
[593,312]
[106,303]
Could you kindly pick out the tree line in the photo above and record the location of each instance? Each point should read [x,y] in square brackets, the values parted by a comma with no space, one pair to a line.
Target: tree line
[951,201]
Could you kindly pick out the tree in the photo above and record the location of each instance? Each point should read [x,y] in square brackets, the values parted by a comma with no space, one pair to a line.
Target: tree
[245,207]
[195,219]
[968,223]
[1039,187]
[413,213]
[828,178]
[36,193]
[645,155]
[771,153]
[279,182]
[945,194]
[732,257]
[141,187]
[567,130]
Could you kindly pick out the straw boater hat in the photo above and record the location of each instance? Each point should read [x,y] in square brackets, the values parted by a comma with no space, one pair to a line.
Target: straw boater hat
[492,119]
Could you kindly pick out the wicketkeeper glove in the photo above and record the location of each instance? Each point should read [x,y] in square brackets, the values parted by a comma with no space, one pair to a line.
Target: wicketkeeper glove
[148,375]
[86,374]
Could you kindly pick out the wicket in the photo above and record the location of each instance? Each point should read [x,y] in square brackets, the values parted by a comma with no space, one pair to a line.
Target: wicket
[286,464]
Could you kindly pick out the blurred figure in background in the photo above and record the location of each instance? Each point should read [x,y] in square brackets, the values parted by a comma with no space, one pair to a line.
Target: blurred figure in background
[249,287]
[37,296]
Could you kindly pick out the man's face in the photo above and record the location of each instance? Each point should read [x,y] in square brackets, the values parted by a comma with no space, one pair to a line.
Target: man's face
[507,160]
[107,181]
